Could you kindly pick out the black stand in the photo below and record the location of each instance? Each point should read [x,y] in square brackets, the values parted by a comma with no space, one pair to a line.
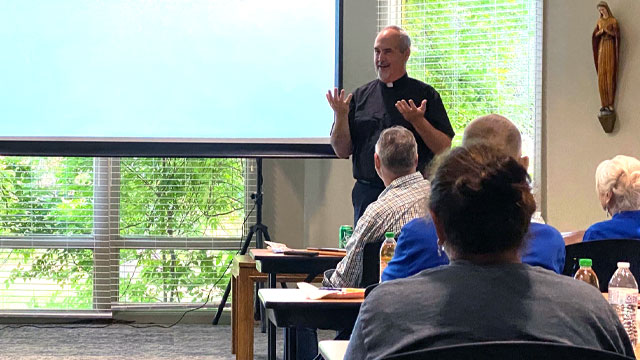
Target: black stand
[258,229]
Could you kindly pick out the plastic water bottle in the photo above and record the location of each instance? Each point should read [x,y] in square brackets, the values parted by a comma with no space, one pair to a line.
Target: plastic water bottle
[387,249]
[623,296]
[586,273]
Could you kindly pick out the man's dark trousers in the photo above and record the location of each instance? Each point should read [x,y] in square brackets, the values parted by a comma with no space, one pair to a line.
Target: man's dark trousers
[363,194]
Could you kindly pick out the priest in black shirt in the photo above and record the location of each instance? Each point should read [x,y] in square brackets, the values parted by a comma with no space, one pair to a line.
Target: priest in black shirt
[392,99]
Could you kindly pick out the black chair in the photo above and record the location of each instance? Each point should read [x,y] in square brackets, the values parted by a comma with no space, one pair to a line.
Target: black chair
[497,350]
[371,264]
[605,255]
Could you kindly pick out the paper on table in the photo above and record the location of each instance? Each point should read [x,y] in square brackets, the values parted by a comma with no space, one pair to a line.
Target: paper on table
[277,247]
[313,293]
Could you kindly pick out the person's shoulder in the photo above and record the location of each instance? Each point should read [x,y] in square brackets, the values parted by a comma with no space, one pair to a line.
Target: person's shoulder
[568,292]
[366,88]
[598,231]
[419,184]
[420,224]
[395,289]
[422,85]
[538,230]
[562,284]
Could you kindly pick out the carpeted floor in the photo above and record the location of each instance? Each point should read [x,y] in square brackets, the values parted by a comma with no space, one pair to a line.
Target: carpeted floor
[125,342]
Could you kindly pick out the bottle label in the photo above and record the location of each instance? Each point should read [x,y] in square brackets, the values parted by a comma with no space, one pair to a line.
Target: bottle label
[623,296]
[383,265]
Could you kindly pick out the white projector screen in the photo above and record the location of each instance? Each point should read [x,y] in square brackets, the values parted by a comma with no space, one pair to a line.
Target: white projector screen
[168,77]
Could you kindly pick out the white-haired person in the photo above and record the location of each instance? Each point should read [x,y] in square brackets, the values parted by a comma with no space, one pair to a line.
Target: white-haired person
[618,188]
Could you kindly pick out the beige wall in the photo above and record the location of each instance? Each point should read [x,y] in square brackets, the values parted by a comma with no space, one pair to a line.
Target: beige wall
[574,142]
[307,200]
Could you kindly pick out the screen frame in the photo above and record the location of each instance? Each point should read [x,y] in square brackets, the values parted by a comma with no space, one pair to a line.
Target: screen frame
[155,147]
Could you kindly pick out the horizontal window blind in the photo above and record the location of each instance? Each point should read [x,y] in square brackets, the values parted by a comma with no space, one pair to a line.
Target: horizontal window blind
[175,216]
[98,234]
[482,56]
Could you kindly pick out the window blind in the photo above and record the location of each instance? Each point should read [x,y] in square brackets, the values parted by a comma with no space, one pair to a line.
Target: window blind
[84,234]
[482,56]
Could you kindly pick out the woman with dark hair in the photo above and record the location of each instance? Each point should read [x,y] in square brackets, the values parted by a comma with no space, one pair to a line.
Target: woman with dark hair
[481,205]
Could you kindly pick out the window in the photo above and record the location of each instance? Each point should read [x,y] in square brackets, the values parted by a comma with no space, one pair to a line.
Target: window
[483,56]
[106,233]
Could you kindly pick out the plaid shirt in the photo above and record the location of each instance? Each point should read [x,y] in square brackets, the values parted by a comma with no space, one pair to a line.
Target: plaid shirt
[402,201]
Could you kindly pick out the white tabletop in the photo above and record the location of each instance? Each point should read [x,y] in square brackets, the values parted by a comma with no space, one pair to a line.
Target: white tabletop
[333,349]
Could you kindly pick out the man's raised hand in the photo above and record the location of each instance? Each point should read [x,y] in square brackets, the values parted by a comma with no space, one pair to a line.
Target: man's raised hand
[338,102]
[411,112]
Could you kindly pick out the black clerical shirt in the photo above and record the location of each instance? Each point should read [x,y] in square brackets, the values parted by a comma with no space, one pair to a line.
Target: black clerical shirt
[373,109]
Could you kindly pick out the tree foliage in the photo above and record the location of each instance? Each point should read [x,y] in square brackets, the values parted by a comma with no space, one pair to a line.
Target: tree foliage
[479,55]
[168,199]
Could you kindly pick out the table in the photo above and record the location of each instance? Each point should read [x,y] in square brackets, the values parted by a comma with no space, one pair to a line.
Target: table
[288,308]
[274,264]
[333,349]
[243,276]
[572,237]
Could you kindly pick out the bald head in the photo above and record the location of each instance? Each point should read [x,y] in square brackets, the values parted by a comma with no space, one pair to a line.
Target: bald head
[495,131]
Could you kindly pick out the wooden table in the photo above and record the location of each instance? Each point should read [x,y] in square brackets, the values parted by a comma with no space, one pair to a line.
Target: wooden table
[274,264]
[572,237]
[243,276]
[288,308]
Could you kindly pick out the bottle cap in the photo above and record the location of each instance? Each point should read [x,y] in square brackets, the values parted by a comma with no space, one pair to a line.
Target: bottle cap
[586,262]
[389,235]
[624,265]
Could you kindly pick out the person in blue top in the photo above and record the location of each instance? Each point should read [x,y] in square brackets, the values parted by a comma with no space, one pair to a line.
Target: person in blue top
[618,187]
[417,248]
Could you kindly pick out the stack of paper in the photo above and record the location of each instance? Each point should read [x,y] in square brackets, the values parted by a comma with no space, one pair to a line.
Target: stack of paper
[314,293]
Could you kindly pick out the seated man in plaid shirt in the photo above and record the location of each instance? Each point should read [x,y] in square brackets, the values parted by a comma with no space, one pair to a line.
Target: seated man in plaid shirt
[404,199]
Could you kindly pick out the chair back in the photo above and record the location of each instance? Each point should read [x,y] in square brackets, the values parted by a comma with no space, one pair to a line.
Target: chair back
[605,255]
[371,264]
[497,350]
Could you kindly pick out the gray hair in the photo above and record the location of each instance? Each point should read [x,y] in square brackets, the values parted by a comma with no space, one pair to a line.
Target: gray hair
[404,42]
[495,131]
[397,150]
[619,176]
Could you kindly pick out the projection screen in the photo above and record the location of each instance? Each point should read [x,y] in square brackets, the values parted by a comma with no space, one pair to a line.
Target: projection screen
[168,77]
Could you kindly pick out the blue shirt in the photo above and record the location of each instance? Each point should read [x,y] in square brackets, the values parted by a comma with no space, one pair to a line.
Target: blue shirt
[417,249]
[623,225]
[544,246]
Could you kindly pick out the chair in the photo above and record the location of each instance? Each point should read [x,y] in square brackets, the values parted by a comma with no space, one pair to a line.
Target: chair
[605,255]
[497,350]
[370,264]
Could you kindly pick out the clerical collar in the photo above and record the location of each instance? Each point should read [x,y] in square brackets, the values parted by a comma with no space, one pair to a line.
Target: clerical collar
[398,82]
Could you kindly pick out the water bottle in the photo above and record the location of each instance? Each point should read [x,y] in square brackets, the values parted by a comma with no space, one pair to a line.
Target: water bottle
[623,296]
[387,249]
[586,273]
